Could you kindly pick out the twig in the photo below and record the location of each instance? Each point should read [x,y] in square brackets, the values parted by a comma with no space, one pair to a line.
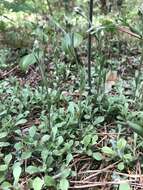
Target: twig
[98,184]
[99,171]
[89,45]
[6,74]
[126,30]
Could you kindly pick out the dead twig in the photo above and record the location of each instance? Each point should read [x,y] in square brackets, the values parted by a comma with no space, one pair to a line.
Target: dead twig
[95,184]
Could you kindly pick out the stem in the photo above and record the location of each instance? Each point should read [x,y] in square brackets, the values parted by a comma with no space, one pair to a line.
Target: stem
[50,8]
[45,82]
[89,44]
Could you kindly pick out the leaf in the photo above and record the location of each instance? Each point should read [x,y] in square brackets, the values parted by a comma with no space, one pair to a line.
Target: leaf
[108,150]
[26,155]
[98,120]
[94,139]
[69,158]
[87,140]
[66,172]
[18,146]
[2,135]
[121,144]
[97,156]
[32,170]
[32,131]
[27,60]
[121,166]
[71,108]
[60,140]
[3,167]
[71,40]
[64,184]
[8,158]
[127,157]
[49,181]
[6,185]
[77,39]
[16,172]
[54,132]
[44,154]
[45,138]
[4,144]
[124,186]
[137,128]
[38,183]
[20,122]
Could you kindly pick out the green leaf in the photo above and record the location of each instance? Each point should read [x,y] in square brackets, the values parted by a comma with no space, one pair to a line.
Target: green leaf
[137,128]
[87,140]
[127,157]
[66,172]
[60,140]
[32,170]
[49,181]
[97,156]
[6,185]
[71,40]
[38,183]
[26,155]
[64,184]
[44,154]
[121,144]
[3,167]
[32,131]
[69,158]
[4,144]
[27,60]
[21,122]
[108,150]
[99,120]
[8,158]
[94,139]
[45,139]
[121,166]
[77,39]
[18,146]
[124,186]
[2,135]
[54,132]
[71,108]
[16,172]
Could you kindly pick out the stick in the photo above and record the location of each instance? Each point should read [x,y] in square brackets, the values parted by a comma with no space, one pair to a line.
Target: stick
[89,44]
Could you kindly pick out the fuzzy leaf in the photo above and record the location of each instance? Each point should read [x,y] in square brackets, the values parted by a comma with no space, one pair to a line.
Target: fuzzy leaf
[32,169]
[2,135]
[121,144]
[124,186]
[97,156]
[49,181]
[108,150]
[38,183]
[4,144]
[21,121]
[16,172]
[64,184]
[26,61]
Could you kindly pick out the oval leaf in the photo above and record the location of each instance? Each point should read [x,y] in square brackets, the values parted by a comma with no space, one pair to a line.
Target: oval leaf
[26,61]
[16,172]
[64,184]
[38,183]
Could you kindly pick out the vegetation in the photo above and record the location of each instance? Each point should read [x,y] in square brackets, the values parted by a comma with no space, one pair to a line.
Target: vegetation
[71,102]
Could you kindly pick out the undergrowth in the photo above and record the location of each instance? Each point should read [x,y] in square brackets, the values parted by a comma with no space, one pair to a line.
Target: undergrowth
[55,132]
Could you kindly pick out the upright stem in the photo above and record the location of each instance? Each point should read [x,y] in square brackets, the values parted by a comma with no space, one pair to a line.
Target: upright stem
[50,9]
[89,44]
